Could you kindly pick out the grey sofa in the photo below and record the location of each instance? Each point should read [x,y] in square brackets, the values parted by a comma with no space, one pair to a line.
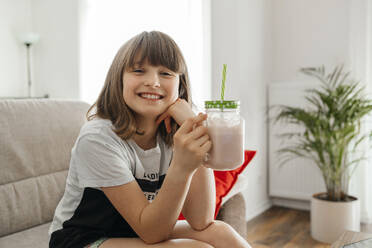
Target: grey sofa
[36,138]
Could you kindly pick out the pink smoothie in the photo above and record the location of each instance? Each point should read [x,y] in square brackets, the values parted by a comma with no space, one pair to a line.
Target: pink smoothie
[227,151]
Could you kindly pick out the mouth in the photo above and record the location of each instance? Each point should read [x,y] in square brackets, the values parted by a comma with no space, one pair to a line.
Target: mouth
[150,96]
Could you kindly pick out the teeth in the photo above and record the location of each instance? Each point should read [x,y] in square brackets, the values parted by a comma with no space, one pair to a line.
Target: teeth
[150,96]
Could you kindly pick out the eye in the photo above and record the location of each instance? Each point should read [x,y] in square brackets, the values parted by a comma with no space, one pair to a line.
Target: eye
[138,70]
[166,73]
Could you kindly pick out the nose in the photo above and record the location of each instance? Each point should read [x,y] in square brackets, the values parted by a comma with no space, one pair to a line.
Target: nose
[152,80]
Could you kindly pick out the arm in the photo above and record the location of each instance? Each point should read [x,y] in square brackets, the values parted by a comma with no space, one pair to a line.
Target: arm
[154,222]
[145,217]
[200,202]
[199,205]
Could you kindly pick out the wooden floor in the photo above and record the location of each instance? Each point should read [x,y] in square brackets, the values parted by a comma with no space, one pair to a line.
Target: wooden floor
[281,227]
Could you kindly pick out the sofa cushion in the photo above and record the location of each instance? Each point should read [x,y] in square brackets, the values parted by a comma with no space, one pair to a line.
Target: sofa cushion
[36,138]
[240,185]
[233,213]
[33,237]
[225,180]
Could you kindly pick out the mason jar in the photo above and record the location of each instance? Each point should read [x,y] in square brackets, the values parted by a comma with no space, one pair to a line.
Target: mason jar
[226,130]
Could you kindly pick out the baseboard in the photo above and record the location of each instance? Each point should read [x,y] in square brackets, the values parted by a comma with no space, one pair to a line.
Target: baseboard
[258,210]
[290,203]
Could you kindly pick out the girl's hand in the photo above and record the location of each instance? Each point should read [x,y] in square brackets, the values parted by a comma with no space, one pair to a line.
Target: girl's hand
[191,143]
[180,110]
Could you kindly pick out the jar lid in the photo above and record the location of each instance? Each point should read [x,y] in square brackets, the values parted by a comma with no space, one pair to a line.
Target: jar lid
[232,104]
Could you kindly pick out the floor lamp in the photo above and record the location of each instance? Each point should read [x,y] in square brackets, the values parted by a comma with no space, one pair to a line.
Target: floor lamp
[28,39]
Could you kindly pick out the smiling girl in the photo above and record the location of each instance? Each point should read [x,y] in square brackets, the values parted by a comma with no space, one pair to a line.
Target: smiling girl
[132,174]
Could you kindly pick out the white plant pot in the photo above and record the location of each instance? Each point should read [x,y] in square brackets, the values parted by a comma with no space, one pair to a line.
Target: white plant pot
[330,219]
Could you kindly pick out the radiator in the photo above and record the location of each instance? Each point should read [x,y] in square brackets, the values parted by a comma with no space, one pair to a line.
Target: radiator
[297,179]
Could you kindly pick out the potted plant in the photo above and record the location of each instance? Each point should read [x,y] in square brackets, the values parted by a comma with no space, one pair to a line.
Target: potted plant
[331,133]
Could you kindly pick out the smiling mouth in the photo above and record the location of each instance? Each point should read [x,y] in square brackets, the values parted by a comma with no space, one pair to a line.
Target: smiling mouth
[149,96]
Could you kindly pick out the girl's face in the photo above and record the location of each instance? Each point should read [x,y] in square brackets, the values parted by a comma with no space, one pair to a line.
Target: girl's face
[149,90]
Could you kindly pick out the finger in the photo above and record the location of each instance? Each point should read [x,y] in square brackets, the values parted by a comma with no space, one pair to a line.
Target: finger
[201,123]
[188,125]
[201,140]
[197,132]
[167,123]
[206,146]
[162,117]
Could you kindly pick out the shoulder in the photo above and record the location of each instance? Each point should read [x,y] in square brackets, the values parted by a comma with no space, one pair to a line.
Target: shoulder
[98,146]
[96,126]
[98,135]
[100,129]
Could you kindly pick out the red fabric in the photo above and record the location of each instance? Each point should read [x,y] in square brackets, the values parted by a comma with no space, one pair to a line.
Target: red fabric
[225,180]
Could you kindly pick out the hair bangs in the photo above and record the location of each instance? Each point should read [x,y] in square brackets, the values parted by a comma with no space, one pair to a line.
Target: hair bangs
[156,49]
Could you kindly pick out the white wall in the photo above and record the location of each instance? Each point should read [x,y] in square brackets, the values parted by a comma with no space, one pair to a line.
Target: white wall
[240,35]
[14,19]
[190,29]
[56,55]
[308,33]
[54,58]
[361,61]
[319,32]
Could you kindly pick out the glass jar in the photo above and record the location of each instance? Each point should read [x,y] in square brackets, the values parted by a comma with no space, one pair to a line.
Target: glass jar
[226,130]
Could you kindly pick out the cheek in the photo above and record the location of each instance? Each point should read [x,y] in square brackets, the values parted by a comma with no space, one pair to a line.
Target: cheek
[126,92]
[129,85]
[174,89]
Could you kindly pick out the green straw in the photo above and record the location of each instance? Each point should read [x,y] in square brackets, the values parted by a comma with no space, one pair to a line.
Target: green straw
[223,81]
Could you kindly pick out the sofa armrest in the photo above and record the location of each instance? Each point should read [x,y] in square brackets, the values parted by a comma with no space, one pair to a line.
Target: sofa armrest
[233,213]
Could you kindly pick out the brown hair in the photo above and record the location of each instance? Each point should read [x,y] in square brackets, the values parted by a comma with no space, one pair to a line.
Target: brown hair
[156,48]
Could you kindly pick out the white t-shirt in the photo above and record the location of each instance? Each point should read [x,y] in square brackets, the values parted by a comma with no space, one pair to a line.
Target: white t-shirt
[100,158]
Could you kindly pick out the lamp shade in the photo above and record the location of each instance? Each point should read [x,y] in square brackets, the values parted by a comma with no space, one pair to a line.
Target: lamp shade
[29,38]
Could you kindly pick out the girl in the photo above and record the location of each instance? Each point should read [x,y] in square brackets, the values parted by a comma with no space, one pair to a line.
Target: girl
[131,173]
